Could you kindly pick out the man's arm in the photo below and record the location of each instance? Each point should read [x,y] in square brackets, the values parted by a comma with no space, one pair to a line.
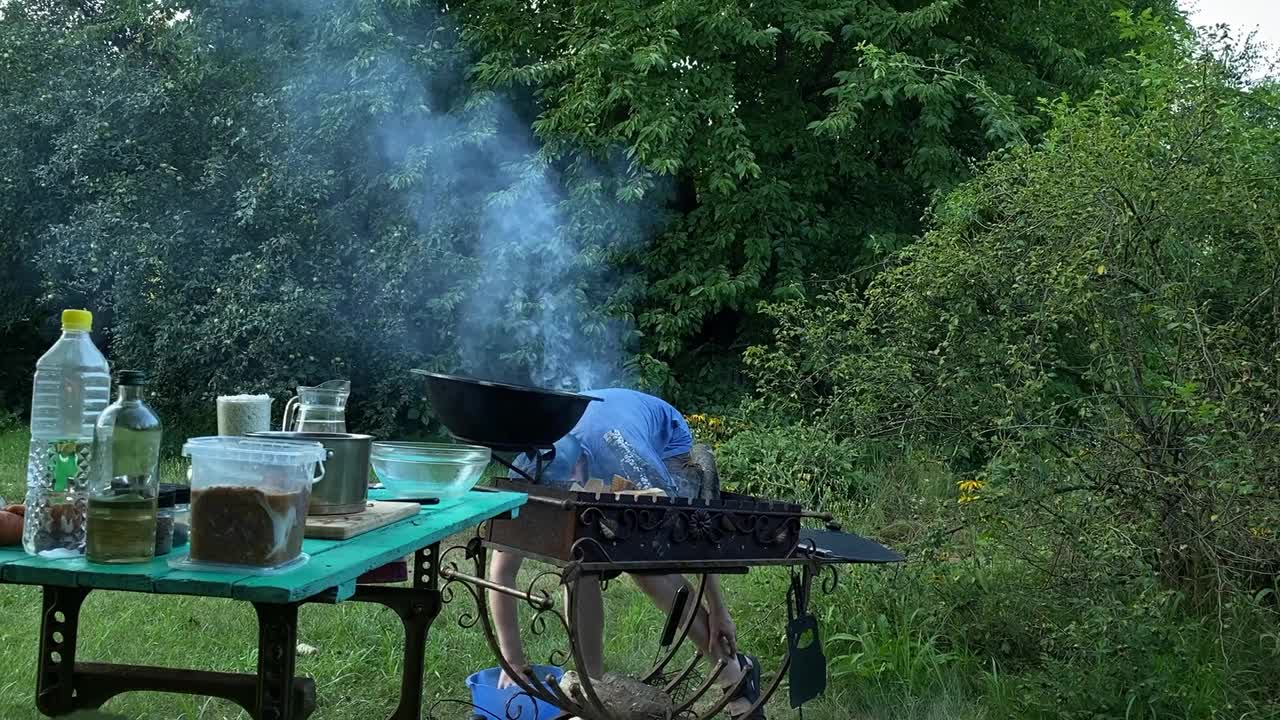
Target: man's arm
[724,634]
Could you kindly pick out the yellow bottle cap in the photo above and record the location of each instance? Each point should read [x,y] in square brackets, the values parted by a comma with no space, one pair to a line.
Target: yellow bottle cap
[77,320]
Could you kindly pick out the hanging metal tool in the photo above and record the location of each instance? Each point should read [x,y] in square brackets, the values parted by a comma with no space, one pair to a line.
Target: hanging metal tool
[808,664]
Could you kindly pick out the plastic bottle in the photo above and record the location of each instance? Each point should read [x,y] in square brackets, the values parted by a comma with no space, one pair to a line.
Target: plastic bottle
[72,387]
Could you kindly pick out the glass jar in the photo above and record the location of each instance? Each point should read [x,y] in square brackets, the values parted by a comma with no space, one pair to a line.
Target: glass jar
[165,521]
[125,481]
[181,512]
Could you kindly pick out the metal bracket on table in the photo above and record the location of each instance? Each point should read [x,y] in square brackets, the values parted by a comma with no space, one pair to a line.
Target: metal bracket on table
[64,685]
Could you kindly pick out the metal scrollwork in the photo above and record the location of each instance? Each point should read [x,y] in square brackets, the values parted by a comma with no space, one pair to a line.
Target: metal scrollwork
[467,619]
[476,710]
[703,699]
[698,525]
[590,550]
[696,687]
[648,520]
[519,700]
[830,578]
[740,524]
[768,532]
[609,528]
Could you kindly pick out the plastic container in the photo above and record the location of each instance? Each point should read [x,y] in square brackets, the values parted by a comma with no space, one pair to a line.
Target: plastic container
[183,561]
[72,387]
[428,470]
[486,696]
[249,499]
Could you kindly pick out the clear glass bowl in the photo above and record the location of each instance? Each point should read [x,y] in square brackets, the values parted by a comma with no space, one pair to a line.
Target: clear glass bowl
[413,470]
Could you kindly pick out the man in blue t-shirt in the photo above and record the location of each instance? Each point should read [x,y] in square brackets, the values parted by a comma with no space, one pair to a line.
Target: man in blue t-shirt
[636,436]
[646,441]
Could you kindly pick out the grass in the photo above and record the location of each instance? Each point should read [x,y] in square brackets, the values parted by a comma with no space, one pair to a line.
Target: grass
[357,663]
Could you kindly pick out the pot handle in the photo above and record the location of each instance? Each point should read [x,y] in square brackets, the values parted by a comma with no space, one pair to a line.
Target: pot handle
[328,455]
[289,408]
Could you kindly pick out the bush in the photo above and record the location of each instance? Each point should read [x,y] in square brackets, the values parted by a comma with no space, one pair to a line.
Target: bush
[283,192]
[805,464]
[1095,315]
[1077,364]
[973,620]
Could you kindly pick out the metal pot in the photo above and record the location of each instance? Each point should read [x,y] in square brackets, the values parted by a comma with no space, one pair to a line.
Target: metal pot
[345,486]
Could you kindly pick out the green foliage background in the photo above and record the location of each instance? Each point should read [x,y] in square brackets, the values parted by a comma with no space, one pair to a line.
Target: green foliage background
[252,195]
[993,281]
[1069,382]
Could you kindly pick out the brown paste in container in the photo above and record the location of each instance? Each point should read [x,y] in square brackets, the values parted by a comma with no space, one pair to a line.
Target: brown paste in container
[238,525]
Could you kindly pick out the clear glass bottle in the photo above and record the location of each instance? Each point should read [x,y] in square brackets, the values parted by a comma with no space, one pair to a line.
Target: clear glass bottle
[72,386]
[126,481]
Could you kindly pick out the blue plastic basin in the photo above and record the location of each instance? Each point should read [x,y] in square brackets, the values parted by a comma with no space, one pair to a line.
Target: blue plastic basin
[486,695]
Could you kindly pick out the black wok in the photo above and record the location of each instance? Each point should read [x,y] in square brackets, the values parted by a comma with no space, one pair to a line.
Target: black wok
[501,415]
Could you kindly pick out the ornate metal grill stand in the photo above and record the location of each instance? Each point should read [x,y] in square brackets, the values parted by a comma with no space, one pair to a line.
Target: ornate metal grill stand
[600,536]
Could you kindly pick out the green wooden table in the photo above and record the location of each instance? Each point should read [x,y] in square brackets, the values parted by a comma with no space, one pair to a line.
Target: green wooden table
[64,685]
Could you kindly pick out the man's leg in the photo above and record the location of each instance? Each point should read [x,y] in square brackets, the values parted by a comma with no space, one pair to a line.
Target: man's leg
[589,623]
[503,569]
[662,590]
[696,477]
[506,623]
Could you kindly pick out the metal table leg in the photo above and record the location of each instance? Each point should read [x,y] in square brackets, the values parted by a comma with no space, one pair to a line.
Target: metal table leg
[64,685]
[55,669]
[277,656]
[417,607]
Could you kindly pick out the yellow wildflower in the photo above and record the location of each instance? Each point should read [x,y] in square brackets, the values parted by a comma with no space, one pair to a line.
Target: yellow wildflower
[968,490]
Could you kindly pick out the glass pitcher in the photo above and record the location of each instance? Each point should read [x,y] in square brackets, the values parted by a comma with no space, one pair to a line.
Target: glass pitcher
[322,408]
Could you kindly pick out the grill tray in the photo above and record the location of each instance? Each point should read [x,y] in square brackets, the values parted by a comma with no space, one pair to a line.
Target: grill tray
[639,533]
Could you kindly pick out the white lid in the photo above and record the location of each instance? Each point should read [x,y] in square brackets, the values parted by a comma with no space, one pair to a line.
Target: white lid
[243,449]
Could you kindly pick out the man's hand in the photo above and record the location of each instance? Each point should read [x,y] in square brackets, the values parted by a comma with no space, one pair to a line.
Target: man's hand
[505,681]
[724,634]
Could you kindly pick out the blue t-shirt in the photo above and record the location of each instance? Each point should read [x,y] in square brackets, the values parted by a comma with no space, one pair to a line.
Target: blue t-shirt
[626,433]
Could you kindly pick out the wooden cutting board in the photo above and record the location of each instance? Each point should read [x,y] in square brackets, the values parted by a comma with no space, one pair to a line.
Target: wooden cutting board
[378,513]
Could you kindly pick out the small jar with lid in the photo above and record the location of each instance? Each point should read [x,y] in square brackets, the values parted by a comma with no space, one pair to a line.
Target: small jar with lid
[164,521]
[181,512]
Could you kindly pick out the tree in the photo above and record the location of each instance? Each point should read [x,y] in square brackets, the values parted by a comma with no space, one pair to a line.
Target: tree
[254,196]
[802,138]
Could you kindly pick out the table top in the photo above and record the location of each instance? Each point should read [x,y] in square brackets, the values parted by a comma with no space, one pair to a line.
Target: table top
[333,565]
